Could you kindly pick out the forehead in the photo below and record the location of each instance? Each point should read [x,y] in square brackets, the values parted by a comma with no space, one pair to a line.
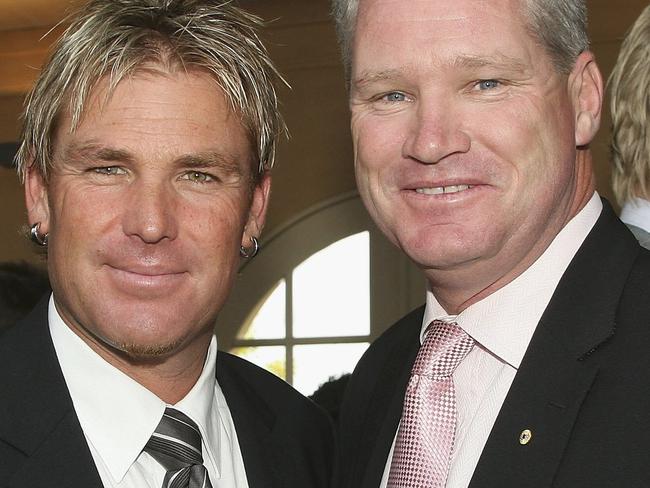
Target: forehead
[403,32]
[156,89]
[159,109]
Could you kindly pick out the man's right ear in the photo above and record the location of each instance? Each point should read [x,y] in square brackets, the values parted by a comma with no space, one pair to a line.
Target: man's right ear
[38,208]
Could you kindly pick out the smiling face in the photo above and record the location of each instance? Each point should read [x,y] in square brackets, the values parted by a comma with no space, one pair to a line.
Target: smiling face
[146,207]
[465,137]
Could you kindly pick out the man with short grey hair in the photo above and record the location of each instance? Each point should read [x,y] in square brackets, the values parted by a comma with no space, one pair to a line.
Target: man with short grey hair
[528,365]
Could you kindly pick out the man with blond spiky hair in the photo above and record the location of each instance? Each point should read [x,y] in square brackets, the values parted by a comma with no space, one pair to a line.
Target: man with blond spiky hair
[629,86]
[528,364]
[146,153]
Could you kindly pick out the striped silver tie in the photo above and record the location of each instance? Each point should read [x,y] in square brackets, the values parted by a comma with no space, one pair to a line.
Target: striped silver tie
[176,445]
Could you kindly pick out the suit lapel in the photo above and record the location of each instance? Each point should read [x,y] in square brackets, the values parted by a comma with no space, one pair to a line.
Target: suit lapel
[254,423]
[560,364]
[62,459]
[385,407]
[37,419]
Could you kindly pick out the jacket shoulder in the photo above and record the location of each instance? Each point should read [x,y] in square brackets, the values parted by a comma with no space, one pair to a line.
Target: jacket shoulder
[274,391]
[38,425]
[275,421]
[372,403]
[397,341]
[634,305]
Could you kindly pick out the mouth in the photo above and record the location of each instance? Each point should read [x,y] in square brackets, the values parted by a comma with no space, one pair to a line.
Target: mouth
[151,272]
[146,280]
[440,190]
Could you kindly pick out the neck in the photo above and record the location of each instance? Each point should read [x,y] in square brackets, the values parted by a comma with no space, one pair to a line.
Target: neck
[170,377]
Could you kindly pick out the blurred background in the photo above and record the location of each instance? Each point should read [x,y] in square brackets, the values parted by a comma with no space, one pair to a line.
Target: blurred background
[326,283]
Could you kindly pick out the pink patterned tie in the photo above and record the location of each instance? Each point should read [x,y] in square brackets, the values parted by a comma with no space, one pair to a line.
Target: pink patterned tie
[426,434]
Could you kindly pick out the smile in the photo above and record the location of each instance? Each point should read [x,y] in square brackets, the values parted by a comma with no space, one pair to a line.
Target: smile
[439,190]
[151,282]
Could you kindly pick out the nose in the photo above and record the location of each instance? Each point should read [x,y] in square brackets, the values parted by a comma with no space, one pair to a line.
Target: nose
[150,213]
[435,132]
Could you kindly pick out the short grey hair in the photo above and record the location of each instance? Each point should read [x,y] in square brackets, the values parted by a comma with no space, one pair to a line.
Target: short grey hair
[629,86]
[560,26]
[115,38]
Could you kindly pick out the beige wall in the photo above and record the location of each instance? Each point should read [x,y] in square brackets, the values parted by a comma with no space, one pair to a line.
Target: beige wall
[316,163]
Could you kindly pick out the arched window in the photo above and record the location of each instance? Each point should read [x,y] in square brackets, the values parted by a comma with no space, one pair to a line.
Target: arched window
[319,292]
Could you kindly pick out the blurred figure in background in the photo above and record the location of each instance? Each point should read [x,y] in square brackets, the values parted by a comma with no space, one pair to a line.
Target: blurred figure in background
[330,394]
[21,286]
[629,86]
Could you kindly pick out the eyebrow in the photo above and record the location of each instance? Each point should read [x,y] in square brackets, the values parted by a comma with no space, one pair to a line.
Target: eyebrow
[91,151]
[94,151]
[210,160]
[498,61]
[369,77]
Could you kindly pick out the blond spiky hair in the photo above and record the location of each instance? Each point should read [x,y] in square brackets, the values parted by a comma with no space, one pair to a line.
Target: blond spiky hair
[115,38]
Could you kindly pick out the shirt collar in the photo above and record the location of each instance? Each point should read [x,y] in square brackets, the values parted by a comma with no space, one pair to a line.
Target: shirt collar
[637,212]
[117,414]
[504,322]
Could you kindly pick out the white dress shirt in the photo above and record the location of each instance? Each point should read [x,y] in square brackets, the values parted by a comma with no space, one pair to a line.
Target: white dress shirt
[118,416]
[502,325]
[637,212]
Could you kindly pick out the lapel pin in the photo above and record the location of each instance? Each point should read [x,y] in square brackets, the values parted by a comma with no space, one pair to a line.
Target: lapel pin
[525,437]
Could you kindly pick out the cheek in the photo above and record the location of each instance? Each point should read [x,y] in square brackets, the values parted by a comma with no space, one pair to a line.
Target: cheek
[524,139]
[80,218]
[378,143]
[216,226]
[552,153]
[378,139]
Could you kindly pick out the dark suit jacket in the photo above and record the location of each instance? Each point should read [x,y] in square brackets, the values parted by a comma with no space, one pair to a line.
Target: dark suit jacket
[641,235]
[286,441]
[583,387]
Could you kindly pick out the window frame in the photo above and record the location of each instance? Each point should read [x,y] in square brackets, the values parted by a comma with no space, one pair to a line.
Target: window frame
[396,286]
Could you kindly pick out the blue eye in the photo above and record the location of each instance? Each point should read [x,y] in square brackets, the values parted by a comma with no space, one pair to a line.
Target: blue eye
[109,170]
[488,84]
[394,97]
[198,177]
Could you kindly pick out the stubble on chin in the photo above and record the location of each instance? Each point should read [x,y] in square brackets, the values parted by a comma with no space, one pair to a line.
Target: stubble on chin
[147,353]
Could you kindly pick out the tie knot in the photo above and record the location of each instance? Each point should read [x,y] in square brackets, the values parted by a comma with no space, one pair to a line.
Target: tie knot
[444,347]
[176,442]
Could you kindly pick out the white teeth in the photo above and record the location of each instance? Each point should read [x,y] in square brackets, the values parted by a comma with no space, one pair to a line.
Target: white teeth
[443,189]
[431,191]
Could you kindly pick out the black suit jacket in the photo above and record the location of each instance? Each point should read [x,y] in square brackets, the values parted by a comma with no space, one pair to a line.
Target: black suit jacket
[583,387]
[286,441]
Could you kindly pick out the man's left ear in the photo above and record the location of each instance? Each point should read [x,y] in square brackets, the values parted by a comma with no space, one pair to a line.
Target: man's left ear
[257,213]
[586,90]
